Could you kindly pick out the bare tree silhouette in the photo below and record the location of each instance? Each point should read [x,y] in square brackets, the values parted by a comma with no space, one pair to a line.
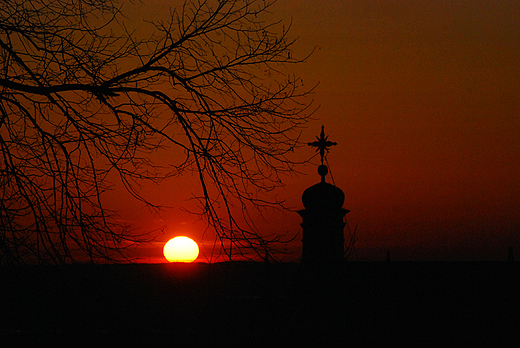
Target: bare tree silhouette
[84,100]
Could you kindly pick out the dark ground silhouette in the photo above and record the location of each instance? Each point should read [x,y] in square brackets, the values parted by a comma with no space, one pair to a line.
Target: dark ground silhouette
[253,304]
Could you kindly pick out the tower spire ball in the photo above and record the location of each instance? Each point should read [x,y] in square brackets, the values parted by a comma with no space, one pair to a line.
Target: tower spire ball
[322,145]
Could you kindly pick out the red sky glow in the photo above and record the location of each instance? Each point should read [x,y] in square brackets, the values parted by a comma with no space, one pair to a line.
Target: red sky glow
[423,98]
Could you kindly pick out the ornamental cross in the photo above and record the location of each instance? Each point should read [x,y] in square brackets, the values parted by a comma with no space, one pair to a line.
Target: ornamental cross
[322,144]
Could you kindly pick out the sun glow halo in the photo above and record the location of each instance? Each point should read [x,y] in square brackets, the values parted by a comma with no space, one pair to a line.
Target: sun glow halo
[181,249]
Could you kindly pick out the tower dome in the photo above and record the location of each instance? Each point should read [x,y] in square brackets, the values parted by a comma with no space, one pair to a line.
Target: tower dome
[323,197]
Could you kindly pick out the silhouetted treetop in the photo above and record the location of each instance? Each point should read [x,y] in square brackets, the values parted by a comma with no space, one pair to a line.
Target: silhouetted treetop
[85,100]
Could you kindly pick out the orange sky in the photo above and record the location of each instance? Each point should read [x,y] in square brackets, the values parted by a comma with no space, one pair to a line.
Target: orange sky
[423,98]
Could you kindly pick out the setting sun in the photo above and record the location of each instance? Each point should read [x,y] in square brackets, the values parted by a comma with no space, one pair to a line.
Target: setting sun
[181,249]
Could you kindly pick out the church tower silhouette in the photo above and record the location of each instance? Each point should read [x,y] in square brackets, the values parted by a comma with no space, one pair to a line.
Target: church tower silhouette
[323,240]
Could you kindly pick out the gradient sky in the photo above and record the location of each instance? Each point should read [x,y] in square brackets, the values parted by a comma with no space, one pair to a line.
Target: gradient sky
[423,98]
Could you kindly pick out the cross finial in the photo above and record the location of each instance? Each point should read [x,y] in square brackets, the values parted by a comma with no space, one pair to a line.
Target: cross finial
[322,144]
